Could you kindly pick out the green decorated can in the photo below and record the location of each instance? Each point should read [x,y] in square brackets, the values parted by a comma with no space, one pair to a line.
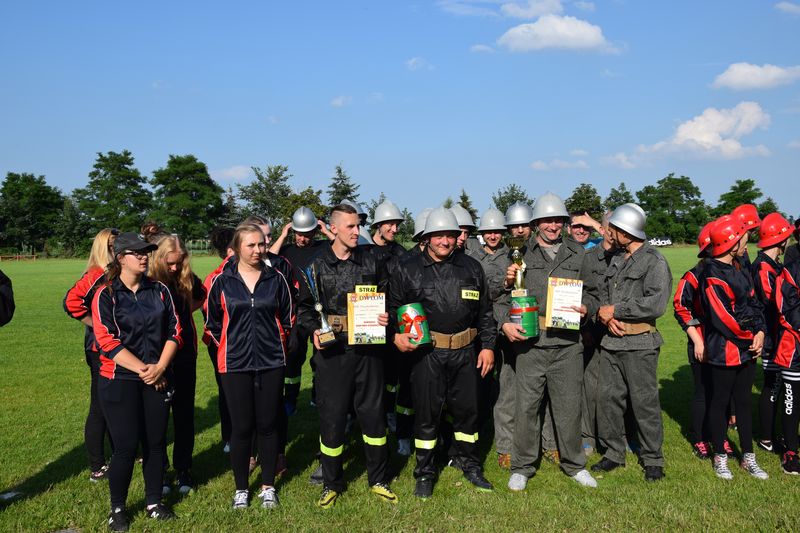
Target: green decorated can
[525,312]
[411,319]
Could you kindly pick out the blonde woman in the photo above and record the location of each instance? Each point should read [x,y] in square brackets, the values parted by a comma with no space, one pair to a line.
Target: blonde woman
[169,264]
[78,305]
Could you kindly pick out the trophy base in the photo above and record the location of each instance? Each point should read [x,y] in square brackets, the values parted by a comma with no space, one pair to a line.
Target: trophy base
[326,338]
[519,293]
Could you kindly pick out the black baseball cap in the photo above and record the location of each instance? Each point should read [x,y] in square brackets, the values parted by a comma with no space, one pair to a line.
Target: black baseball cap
[132,242]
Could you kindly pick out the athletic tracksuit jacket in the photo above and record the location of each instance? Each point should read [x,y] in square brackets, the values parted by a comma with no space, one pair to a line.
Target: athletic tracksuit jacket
[78,302]
[688,309]
[787,301]
[764,272]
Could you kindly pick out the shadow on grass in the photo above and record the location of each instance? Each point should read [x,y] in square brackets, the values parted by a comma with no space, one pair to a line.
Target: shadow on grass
[68,465]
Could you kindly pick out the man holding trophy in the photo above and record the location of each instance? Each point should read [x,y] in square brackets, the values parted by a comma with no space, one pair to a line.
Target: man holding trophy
[345,370]
[548,348]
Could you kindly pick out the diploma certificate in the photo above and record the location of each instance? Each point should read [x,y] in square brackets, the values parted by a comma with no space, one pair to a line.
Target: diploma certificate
[363,309]
[562,295]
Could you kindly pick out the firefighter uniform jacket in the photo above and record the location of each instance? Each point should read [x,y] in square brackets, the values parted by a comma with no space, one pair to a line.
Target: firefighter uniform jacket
[141,322]
[787,301]
[494,268]
[733,314]
[78,302]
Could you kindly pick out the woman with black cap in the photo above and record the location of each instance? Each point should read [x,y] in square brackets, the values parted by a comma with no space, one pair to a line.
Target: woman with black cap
[138,331]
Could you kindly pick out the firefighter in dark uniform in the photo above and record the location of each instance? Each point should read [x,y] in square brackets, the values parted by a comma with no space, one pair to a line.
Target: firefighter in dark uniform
[346,375]
[635,292]
[451,288]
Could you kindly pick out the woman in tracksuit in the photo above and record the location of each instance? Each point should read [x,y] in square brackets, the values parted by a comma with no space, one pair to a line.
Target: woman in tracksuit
[689,314]
[774,235]
[249,318]
[734,337]
[170,265]
[138,331]
[78,305]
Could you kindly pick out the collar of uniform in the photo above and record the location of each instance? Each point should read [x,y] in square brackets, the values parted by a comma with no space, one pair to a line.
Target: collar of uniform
[232,269]
[427,260]
[330,257]
[144,283]
[768,260]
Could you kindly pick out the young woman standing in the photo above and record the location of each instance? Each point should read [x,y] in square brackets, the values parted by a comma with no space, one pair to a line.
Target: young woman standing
[138,331]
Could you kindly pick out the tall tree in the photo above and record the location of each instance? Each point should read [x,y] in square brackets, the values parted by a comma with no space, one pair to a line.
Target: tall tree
[768,206]
[308,197]
[72,230]
[186,199]
[373,204]
[342,188]
[29,210]
[509,194]
[674,208]
[231,210]
[741,192]
[617,196]
[115,196]
[584,199]
[448,202]
[266,195]
[465,202]
[406,230]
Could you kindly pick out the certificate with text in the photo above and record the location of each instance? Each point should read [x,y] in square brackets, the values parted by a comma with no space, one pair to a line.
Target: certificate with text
[363,309]
[562,295]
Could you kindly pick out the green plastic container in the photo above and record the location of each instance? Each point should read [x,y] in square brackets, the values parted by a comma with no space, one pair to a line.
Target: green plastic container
[411,319]
[525,312]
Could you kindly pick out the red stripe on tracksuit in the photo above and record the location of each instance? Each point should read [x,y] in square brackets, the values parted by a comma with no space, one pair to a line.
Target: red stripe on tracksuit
[718,292]
[107,340]
[787,301]
[685,302]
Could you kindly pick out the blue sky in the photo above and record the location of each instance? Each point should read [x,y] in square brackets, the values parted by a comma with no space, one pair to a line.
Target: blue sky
[415,99]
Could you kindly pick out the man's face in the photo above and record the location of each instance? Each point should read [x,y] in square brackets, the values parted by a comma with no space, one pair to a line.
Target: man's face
[345,227]
[520,230]
[550,228]
[620,238]
[492,238]
[441,244]
[388,230]
[580,233]
[461,240]
[303,238]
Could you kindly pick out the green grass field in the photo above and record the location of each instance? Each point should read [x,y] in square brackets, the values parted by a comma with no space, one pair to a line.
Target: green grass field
[45,388]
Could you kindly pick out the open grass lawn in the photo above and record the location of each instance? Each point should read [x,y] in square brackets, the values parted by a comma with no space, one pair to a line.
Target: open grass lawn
[45,388]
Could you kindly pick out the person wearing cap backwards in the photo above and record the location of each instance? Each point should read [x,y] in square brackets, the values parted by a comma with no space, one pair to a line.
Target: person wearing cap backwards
[734,332]
[774,234]
[786,345]
[635,292]
[793,251]
[552,362]
[494,257]
[138,332]
[689,314]
[451,288]
[347,375]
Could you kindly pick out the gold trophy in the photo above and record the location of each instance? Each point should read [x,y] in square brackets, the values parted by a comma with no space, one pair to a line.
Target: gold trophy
[326,333]
[516,244]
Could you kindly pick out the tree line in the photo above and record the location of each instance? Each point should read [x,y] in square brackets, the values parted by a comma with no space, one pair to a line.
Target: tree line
[183,198]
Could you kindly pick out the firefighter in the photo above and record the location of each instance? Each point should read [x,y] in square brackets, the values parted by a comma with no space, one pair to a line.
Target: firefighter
[466,241]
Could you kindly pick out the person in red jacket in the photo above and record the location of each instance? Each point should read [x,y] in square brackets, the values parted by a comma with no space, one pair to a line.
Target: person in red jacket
[774,235]
[249,318]
[78,305]
[734,332]
[138,331]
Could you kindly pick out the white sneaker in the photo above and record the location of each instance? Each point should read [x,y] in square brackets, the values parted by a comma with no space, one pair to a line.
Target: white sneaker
[721,466]
[269,498]
[404,447]
[749,463]
[517,482]
[585,478]
[240,499]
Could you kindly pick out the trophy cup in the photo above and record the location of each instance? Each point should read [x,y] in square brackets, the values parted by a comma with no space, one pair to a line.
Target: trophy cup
[516,243]
[326,334]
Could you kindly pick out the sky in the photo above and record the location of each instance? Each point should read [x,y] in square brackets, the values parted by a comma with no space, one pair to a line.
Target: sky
[414,99]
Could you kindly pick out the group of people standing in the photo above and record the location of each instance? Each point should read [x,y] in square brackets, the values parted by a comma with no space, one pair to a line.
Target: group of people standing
[734,311]
[567,391]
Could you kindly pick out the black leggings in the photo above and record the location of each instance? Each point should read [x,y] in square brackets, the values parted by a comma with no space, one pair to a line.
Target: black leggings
[135,413]
[254,399]
[95,428]
[791,414]
[732,382]
[222,404]
[184,369]
[768,403]
[701,372]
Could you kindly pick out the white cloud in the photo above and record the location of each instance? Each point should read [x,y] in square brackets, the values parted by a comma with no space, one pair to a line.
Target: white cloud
[473,8]
[788,7]
[341,101]
[481,49]
[558,164]
[740,76]
[418,63]
[578,152]
[795,145]
[554,31]
[585,6]
[236,172]
[532,9]
[620,159]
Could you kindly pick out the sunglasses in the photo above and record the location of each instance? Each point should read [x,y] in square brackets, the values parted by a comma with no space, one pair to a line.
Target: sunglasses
[139,255]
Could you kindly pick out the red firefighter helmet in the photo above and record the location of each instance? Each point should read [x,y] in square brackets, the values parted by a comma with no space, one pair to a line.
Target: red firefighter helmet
[747,215]
[725,233]
[774,230]
[704,238]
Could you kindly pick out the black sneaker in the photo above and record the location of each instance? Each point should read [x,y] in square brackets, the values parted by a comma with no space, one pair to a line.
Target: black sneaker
[98,475]
[424,488]
[790,464]
[316,477]
[185,482]
[605,465]
[456,462]
[475,476]
[118,520]
[160,512]
[653,473]
[766,445]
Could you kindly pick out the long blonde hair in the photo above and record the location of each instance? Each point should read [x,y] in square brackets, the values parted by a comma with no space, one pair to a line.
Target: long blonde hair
[102,254]
[158,270]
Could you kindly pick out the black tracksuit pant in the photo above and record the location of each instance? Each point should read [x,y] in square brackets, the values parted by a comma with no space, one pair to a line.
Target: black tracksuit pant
[95,428]
[222,404]
[295,360]
[184,373]
[445,378]
[135,413]
[354,375]
[732,382]
[701,399]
